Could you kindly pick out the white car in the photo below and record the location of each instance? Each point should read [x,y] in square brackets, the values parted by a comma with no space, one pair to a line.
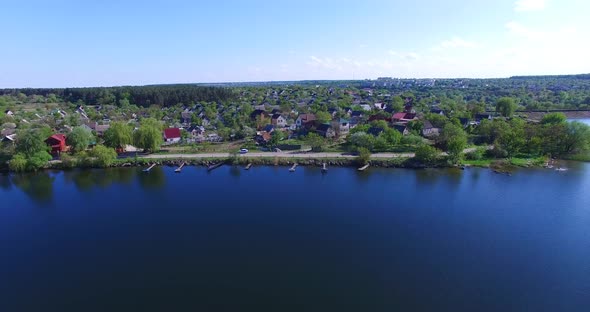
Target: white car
[243,151]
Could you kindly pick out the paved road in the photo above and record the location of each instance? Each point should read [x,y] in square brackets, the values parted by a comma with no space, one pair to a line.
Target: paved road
[277,154]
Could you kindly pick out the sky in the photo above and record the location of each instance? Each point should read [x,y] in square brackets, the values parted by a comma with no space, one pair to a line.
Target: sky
[65,43]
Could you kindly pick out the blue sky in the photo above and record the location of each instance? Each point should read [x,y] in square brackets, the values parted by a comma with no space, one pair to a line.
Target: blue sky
[102,43]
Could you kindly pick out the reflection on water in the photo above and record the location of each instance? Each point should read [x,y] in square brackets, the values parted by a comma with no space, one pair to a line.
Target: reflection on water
[38,186]
[154,179]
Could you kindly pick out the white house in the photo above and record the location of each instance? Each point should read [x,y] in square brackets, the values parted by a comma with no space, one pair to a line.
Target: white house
[172,135]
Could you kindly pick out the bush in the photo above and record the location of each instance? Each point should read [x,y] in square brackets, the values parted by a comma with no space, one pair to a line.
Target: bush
[18,163]
[364,155]
[38,160]
[104,156]
[68,161]
[496,152]
[477,154]
[426,154]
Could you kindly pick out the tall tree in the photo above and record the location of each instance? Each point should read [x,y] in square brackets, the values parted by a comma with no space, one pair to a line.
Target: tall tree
[118,135]
[506,106]
[149,135]
[80,138]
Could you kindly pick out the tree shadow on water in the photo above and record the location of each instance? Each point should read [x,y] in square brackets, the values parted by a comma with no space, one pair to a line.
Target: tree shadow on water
[154,179]
[38,186]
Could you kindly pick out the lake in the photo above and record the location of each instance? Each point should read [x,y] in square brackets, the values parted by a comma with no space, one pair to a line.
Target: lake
[586,121]
[267,239]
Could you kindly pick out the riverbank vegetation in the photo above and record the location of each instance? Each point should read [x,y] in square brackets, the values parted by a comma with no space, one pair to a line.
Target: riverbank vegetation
[442,122]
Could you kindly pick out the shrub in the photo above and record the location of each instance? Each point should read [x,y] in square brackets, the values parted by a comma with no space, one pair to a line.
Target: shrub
[18,163]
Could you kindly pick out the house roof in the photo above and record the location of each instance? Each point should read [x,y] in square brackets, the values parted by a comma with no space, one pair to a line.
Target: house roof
[375,131]
[257,113]
[307,117]
[400,128]
[269,128]
[276,116]
[323,127]
[59,137]
[171,133]
[102,128]
[428,125]
[399,115]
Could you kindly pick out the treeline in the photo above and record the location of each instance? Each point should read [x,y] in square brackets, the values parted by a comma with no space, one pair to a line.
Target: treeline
[580,76]
[165,95]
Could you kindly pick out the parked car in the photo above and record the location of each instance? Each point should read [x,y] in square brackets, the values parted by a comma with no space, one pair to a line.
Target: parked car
[243,151]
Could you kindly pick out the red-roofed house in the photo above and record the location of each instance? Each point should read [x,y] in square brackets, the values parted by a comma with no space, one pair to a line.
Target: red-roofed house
[398,116]
[403,117]
[57,142]
[172,135]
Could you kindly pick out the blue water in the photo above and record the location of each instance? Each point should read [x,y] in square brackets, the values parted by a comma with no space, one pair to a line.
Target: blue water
[266,239]
[586,121]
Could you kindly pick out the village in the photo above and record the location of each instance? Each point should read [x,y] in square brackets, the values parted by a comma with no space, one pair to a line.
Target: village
[294,118]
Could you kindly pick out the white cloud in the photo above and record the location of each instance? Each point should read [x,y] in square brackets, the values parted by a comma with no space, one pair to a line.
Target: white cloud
[456,42]
[529,5]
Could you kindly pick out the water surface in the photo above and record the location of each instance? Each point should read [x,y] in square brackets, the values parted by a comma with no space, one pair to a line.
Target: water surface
[267,239]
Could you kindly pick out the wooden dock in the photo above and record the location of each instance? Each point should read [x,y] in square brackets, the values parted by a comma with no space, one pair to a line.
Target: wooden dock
[179,168]
[149,168]
[248,166]
[292,169]
[215,166]
[363,167]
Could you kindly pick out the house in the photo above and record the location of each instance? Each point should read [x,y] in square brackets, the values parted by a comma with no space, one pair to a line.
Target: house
[409,108]
[326,130]
[278,120]
[429,130]
[259,112]
[332,111]
[403,129]
[101,129]
[9,113]
[379,106]
[375,131]
[186,117]
[438,111]
[263,137]
[403,117]
[342,126]
[379,117]
[305,120]
[480,117]
[94,126]
[196,131]
[8,139]
[269,128]
[172,135]
[465,122]
[366,107]
[57,142]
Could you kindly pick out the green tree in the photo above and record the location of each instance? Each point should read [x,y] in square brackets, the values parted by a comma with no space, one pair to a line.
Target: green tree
[18,163]
[104,156]
[323,117]
[554,118]
[426,154]
[276,138]
[29,142]
[316,142]
[80,138]
[149,135]
[505,106]
[397,103]
[361,139]
[392,136]
[117,135]
[38,160]
[364,156]
[452,133]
